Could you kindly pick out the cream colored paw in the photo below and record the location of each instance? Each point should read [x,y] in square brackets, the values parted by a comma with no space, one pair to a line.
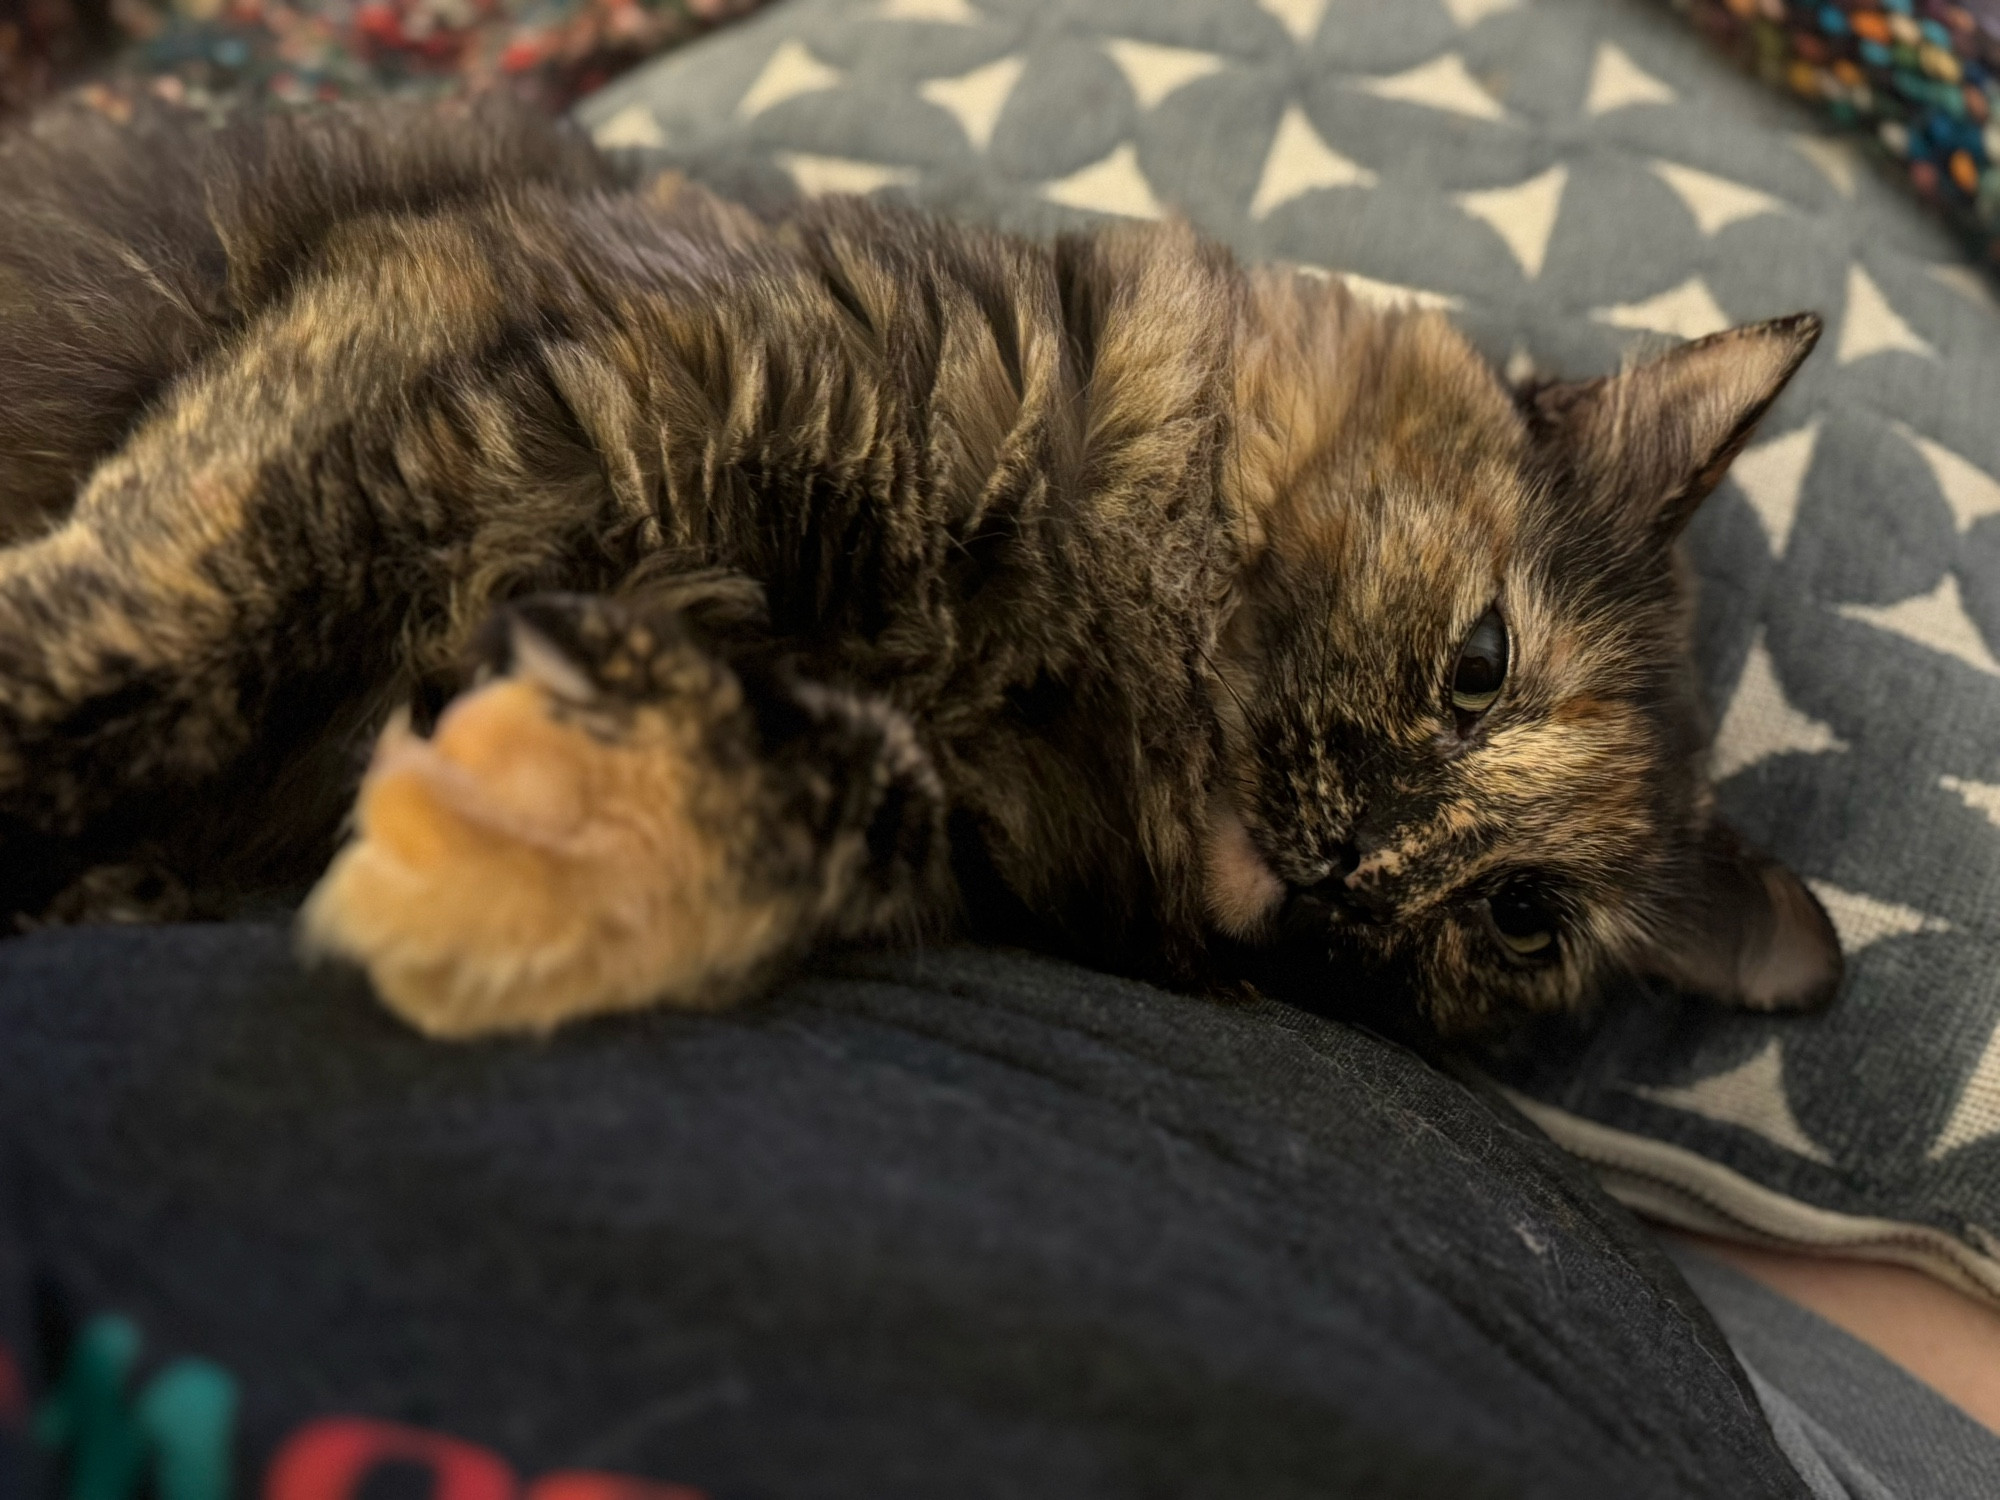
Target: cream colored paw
[521,868]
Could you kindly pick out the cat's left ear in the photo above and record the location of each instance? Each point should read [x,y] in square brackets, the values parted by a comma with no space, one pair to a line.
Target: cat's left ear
[1651,443]
[1751,935]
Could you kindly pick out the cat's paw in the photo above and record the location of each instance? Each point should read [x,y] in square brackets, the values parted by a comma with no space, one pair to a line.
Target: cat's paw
[573,838]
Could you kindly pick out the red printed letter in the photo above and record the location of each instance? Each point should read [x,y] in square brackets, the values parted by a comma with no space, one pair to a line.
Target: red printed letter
[575,1484]
[13,1391]
[329,1459]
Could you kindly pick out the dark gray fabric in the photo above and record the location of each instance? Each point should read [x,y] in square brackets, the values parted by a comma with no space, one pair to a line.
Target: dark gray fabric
[958,1223]
[1857,1425]
[1578,178]
[1829,1468]
[16,1323]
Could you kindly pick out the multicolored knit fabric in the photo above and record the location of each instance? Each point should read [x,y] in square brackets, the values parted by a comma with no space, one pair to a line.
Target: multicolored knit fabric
[44,41]
[218,55]
[1922,76]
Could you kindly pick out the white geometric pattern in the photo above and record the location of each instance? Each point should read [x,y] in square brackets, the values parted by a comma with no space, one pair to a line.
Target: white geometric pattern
[1761,721]
[1442,83]
[1467,13]
[1300,17]
[1871,325]
[1834,158]
[947,12]
[632,127]
[1155,72]
[817,176]
[1300,162]
[1969,490]
[792,71]
[1617,82]
[1387,294]
[1112,185]
[1771,476]
[1976,1116]
[1382,294]
[1523,215]
[1969,283]
[1863,920]
[1715,202]
[976,99]
[1751,1097]
[1936,620]
[1980,796]
[1687,311]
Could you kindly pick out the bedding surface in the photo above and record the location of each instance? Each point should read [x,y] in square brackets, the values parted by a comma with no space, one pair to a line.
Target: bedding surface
[1578,181]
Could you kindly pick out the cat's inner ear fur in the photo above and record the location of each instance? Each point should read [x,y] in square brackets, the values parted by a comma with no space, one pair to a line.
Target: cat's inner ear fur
[1753,936]
[1653,441]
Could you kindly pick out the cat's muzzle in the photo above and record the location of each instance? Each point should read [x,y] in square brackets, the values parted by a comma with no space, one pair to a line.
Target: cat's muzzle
[1333,899]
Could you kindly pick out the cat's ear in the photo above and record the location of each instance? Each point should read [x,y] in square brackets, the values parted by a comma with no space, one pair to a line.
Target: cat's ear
[1752,935]
[1651,443]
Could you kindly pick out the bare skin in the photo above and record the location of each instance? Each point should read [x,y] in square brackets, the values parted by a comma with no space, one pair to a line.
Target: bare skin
[1945,1338]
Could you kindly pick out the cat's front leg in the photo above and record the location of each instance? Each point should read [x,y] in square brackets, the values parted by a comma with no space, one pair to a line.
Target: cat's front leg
[618,816]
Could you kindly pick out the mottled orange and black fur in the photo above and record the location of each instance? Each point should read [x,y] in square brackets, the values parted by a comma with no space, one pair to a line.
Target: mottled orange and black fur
[730,585]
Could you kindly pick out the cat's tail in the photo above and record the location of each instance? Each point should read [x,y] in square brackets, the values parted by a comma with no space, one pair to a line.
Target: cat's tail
[129,250]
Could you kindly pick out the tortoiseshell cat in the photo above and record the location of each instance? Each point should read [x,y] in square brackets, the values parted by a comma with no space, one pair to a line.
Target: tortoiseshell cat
[763,583]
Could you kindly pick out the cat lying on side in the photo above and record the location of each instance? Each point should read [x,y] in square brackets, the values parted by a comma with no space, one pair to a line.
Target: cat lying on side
[714,587]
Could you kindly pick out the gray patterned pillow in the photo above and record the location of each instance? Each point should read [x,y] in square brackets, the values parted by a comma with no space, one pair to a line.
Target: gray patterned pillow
[1572,178]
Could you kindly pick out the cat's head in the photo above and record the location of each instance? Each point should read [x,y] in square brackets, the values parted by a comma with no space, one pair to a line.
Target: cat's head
[1466,744]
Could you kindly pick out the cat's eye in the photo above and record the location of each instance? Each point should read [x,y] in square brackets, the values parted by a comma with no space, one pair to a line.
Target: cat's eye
[1523,922]
[1482,667]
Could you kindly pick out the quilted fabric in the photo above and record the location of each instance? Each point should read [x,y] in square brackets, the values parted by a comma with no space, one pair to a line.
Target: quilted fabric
[1575,178]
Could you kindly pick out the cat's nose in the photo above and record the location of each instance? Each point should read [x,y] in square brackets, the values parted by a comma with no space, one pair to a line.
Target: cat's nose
[1333,891]
[1369,898]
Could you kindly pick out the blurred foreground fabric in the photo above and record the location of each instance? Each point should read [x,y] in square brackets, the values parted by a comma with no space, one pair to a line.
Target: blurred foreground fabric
[220,55]
[961,1223]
